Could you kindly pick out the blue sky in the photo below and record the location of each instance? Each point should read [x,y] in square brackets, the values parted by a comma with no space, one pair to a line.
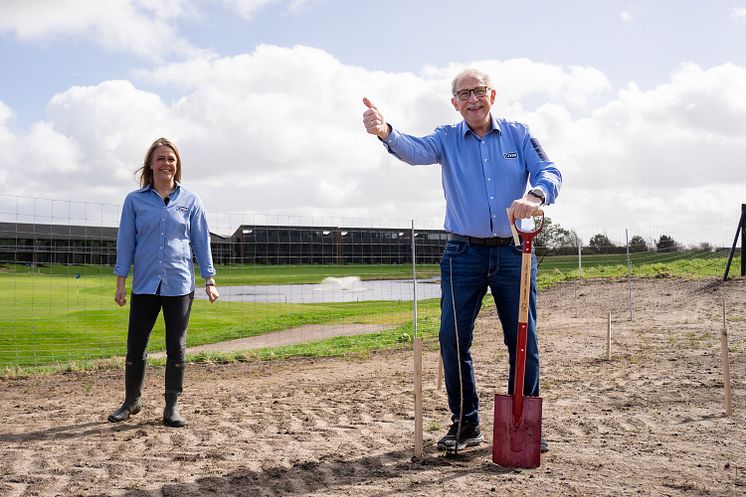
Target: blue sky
[641,103]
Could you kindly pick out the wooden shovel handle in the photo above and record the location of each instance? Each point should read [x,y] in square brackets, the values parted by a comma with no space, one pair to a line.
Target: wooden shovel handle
[522,332]
[519,376]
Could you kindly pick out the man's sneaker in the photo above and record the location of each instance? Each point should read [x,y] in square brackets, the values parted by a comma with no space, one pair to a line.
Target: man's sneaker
[544,445]
[470,435]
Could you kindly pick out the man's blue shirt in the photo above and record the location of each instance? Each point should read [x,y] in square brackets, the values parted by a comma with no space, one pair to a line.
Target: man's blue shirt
[158,239]
[481,176]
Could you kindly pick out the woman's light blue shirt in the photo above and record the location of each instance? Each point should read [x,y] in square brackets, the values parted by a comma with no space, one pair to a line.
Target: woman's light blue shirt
[158,239]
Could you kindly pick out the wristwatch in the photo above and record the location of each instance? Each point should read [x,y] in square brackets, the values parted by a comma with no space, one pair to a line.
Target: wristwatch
[209,282]
[538,193]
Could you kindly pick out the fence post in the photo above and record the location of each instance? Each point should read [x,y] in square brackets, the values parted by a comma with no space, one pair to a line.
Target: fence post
[418,436]
[726,366]
[608,338]
[580,256]
[414,279]
[629,275]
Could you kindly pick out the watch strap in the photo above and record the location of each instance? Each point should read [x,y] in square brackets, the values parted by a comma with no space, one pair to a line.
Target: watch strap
[538,193]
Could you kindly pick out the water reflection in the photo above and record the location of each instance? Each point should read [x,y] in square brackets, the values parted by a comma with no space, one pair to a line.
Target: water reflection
[346,289]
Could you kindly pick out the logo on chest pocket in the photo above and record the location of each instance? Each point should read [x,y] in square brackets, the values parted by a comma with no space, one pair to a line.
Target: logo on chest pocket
[511,155]
[182,208]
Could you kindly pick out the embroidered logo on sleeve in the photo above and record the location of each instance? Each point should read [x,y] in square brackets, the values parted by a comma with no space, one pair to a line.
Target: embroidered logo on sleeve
[511,155]
[539,150]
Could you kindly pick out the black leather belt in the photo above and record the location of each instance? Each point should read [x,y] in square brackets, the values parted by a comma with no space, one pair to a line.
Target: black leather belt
[482,242]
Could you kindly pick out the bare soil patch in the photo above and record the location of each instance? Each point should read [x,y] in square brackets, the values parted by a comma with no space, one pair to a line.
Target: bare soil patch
[648,422]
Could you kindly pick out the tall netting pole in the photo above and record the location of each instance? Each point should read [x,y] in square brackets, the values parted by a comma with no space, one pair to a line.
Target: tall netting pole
[418,442]
[741,230]
[743,239]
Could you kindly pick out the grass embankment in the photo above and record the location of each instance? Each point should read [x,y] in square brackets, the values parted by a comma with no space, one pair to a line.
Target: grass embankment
[63,317]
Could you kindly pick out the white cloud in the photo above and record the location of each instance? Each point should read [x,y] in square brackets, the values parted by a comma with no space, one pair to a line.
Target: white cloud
[138,26]
[671,135]
[659,153]
[738,13]
[297,5]
[280,130]
[523,81]
[39,161]
[626,16]
[247,8]
[112,121]
[6,113]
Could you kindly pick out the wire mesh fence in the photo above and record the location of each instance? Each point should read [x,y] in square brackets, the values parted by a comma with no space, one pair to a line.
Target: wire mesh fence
[296,285]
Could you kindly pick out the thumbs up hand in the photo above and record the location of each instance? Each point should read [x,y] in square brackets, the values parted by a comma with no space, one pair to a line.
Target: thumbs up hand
[373,120]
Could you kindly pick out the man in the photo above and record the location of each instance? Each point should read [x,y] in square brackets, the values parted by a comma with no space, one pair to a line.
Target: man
[486,165]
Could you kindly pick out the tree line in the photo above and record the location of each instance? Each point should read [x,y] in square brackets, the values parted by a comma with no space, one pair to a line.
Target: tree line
[561,241]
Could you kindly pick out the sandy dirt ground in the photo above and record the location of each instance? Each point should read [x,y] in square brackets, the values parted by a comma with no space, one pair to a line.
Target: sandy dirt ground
[650,421]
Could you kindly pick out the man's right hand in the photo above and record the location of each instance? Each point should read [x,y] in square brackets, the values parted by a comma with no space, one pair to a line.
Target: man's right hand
[373,121]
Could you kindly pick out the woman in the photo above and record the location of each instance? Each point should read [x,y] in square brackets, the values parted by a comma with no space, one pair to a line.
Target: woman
[161,224]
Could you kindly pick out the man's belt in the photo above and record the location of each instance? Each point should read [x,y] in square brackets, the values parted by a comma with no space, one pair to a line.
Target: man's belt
[482,242]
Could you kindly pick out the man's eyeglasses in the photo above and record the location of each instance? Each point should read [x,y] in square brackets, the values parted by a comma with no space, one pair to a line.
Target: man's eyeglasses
[479,91]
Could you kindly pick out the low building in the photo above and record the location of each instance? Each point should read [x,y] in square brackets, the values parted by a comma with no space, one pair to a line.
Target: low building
[35,244]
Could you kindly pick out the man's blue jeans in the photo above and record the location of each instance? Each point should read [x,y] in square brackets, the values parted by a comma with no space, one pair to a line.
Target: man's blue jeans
[466,273]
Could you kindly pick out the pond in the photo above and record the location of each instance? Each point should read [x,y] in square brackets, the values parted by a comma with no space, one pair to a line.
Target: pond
[346,289]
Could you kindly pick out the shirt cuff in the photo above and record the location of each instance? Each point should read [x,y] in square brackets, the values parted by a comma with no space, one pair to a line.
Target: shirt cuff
[388,138]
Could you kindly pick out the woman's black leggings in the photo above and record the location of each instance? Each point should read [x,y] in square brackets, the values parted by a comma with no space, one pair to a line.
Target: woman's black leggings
[144,310]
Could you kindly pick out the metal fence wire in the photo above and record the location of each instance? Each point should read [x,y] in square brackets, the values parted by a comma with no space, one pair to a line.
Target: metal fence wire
[289,284]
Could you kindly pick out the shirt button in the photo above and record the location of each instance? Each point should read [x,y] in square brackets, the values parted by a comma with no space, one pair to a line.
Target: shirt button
[488,179]
[492,198]
[486,160]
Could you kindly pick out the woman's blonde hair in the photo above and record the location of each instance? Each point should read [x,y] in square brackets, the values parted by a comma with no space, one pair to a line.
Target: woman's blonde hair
[146,174]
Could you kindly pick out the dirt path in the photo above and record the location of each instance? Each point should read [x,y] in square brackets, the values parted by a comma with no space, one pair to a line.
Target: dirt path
[292,336]
[649,422]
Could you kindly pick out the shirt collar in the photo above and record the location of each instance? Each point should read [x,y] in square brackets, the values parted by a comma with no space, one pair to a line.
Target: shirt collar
[466,129]
[151,187]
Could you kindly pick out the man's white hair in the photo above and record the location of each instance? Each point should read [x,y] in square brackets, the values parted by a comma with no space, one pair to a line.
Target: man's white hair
[470,72]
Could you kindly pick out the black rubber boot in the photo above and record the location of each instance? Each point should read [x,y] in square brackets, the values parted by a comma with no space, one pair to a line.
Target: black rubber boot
[134,376]
[174,386]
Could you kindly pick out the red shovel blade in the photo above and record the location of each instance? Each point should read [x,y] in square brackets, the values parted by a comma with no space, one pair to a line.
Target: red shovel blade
[517,446]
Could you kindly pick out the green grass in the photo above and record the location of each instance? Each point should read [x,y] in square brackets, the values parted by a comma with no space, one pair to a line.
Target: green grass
[59,317]
[690,265]
[60,314]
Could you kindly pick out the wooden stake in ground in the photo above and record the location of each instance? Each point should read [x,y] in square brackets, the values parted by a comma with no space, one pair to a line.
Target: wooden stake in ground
[726,366]
[608,339]
[418,444]
[440,370]
[418,448]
